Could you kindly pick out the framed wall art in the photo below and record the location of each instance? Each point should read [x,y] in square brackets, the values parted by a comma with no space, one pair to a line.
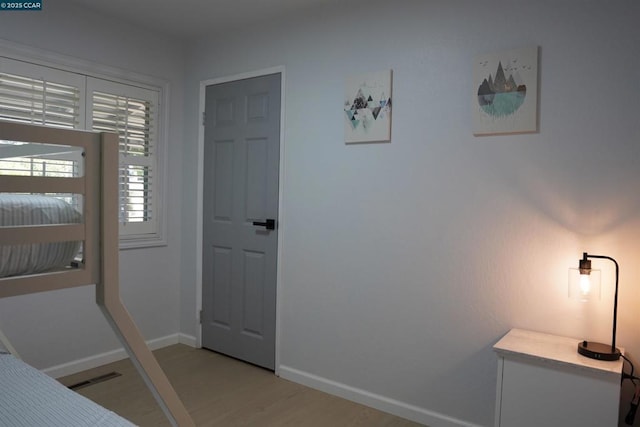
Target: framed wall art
[505,92]
[367,107]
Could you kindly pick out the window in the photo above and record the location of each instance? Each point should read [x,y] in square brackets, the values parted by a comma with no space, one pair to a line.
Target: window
[32,93]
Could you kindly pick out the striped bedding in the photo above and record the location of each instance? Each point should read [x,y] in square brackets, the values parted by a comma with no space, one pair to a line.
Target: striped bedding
[28,397]
[17,209]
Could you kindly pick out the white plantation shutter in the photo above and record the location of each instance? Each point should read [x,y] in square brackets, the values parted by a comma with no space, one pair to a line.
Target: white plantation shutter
[31,93]
[27,100]
[132,113]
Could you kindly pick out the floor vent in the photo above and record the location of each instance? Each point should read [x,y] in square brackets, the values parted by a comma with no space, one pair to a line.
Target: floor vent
[95,380]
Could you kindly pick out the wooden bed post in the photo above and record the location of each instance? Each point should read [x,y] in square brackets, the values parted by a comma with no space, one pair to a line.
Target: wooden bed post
[108,292]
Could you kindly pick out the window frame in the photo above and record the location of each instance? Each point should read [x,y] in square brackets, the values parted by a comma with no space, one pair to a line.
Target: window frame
[61,65]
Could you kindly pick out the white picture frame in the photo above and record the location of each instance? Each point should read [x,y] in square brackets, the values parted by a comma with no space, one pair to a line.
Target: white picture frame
[367,107]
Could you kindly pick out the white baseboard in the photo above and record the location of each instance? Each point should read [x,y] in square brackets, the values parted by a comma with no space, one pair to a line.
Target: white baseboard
[187,340]
[90,362]
[382,403]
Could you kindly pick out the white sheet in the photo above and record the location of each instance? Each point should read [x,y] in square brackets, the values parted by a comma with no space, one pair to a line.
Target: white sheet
[16,209]
[30,398]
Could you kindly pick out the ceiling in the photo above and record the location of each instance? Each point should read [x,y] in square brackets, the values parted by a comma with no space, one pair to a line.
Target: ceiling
[190,18]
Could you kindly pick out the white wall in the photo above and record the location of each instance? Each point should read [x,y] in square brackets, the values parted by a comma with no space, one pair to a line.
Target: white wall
[58,327]
[404,263]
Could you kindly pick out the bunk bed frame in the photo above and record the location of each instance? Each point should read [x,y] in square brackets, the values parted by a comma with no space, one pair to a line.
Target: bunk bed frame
[99,233]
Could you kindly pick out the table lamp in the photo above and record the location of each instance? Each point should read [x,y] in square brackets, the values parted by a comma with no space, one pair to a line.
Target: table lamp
[583,285]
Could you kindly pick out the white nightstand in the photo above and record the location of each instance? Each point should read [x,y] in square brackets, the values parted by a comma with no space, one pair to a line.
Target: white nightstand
[543,381]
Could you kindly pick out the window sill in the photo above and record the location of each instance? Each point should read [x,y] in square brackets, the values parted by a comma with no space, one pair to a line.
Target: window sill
[142,242]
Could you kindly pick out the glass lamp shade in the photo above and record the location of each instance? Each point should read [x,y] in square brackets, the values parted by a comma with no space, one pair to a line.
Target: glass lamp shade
[584,287]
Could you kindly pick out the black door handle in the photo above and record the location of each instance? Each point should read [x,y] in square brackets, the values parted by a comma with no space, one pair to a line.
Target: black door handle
[269,224]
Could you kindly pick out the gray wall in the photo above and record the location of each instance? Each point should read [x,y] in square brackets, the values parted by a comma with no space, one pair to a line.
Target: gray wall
[403,263]
[58,327]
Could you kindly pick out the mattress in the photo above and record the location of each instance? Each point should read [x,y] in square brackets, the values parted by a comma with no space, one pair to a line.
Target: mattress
[17,209]
[28,397]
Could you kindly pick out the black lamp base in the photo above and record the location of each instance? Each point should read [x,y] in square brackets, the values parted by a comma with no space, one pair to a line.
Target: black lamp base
[598,351]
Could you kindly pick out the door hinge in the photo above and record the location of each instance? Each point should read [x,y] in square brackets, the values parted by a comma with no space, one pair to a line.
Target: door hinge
[200,317]
[203,117]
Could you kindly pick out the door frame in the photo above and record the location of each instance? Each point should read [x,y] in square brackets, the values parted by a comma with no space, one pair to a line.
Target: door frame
[200,198]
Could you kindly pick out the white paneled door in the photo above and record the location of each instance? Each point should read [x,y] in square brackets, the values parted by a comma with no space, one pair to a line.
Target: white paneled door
[241,170]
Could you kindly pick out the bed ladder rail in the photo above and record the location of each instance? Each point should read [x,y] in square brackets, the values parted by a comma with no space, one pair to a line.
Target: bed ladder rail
[108,294]
[146,363]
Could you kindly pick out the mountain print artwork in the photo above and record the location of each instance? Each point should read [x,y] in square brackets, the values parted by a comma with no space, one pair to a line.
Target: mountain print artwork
[506,96]
[502,96]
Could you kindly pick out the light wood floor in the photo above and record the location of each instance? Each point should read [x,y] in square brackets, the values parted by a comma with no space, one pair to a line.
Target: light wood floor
[221,391]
